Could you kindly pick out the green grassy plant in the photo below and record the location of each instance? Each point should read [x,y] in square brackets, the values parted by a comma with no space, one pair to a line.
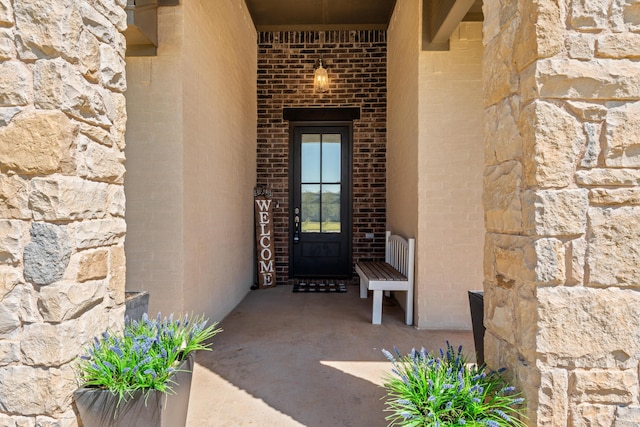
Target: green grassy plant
[144,356]
[430,391]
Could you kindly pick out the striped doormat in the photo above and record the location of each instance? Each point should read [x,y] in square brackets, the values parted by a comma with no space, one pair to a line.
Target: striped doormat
[319,287]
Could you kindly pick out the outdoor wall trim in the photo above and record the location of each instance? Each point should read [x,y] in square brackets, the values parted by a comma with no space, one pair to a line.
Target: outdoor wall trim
[439,21]
[141,50]
[142,26]
[321,114]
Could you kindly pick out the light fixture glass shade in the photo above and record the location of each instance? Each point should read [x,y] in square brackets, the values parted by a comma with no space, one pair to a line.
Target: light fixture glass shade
[321,79]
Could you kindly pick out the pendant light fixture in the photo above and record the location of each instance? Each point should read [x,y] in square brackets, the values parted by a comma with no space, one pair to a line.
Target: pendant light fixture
[321,78]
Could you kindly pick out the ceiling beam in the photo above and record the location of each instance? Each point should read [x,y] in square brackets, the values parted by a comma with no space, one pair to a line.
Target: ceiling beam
[439,20]
[321,27]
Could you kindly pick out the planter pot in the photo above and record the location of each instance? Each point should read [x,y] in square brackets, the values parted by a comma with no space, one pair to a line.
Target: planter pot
[136,304]
[99,407]
[476,304]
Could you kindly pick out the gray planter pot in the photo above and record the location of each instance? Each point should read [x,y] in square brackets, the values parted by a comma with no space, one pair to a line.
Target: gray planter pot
[476,304]
[136,304]
[99,407]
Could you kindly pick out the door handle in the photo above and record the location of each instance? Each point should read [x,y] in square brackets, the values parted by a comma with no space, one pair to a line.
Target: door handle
[296,225]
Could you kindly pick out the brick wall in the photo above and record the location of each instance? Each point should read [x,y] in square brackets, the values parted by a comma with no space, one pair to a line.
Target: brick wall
[356,63]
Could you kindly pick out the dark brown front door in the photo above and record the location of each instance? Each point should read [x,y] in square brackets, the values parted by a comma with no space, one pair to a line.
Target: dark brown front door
[320,243]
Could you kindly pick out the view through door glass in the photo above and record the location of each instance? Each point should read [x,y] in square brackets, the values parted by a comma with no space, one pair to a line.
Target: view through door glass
[320,183]
[321,226]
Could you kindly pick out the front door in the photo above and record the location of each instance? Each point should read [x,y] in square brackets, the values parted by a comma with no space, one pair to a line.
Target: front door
[320,243]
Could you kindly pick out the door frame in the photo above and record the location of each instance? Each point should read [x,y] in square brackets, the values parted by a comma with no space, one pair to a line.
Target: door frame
[293,125]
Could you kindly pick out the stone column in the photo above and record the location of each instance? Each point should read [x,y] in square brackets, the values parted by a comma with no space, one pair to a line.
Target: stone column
[562,205]
[62,228]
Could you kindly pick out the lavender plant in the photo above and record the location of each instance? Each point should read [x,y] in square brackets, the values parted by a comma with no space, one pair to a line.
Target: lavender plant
[430,391]
[145,355]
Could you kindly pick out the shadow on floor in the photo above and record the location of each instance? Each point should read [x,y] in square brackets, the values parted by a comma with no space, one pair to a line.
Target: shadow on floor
[299,359]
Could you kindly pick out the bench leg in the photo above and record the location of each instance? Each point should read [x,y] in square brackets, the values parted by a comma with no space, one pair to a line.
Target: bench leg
[409,312]
[363,289]
[376,317]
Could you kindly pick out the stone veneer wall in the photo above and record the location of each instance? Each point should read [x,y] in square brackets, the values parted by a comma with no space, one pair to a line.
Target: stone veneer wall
[62,228]
[562,200]
[356,63]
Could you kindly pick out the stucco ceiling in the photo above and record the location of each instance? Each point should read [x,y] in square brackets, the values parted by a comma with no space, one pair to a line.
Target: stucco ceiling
[297,15]
[276,15]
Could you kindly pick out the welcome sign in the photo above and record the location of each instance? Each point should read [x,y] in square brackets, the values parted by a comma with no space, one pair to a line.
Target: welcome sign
[264,239]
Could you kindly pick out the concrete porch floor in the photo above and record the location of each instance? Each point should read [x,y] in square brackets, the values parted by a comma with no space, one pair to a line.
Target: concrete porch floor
[298,359]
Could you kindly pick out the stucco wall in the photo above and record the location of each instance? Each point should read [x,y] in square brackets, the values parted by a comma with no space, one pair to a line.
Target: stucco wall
[435,161]
[191,154]
[403,127]
[402,118]
[154,184]
[219,84]
[451,165]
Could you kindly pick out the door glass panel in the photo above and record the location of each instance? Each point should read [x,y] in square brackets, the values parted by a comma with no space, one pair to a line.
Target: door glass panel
[330,208]
[331,157]
[310,157]
[310,209]
[320,182]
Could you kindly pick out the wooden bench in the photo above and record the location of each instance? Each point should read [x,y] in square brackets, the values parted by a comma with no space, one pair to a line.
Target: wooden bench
[396,274]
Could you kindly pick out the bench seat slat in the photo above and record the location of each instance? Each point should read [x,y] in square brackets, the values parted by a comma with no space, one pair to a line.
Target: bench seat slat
[381,271]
